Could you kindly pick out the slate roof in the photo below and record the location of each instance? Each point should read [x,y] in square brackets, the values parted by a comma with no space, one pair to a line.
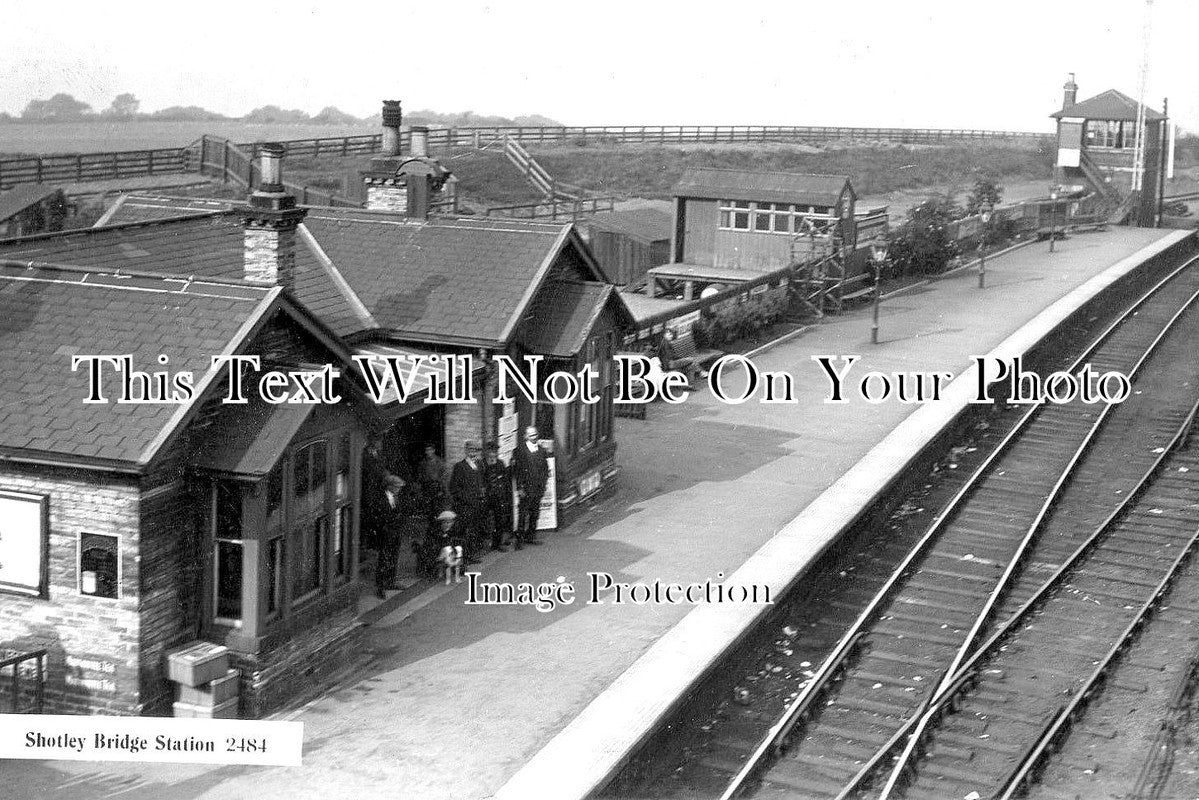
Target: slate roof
[642,224]
[744,184]
[444,280]
[207,244]
[145,208]
[19,198]
[247,440]
[48,314]
[1111,104]
[566,315]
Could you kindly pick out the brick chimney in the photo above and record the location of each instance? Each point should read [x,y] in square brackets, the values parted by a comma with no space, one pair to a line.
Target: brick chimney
[1069,93]
[385,191]
[271,219]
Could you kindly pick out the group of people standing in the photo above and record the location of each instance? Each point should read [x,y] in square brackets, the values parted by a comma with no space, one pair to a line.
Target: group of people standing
[463,507]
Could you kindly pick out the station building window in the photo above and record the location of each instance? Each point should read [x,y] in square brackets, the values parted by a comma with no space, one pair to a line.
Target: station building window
[228,552]
[302,519]
[99,565]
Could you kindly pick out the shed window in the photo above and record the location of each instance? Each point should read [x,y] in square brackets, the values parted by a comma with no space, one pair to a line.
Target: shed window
[734,214]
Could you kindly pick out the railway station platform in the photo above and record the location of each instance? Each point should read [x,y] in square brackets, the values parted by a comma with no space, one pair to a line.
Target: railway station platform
[479,701]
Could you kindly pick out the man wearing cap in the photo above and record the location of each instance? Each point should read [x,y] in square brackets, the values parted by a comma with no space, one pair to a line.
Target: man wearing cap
[394,508]
[468,496]
[499,497]
[531,470]
[444,530]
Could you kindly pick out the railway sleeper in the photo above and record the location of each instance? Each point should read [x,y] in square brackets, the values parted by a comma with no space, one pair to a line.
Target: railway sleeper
[983,570]
[922,633]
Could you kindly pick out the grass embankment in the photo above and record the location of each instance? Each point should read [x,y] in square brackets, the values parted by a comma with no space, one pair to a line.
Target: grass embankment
[648,171]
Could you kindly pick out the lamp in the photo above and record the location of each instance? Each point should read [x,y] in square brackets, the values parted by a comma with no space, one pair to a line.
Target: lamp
[1052,219]
[878,249]
[985,219]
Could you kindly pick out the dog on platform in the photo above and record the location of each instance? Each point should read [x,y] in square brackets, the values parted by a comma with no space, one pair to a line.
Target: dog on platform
[450,559]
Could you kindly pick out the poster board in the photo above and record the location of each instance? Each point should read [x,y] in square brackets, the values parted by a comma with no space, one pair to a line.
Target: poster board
[22,542]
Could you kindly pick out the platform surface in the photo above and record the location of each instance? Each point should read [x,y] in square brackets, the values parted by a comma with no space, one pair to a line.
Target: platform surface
[457,701]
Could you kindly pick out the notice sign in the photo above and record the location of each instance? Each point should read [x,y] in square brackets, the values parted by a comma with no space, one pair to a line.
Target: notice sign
[22,541]
[151,739]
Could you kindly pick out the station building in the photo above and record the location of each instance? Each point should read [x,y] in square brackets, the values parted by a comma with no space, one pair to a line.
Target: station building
[134,528]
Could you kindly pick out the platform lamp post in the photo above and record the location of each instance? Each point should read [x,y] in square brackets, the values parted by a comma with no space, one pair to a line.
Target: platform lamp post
[984,218]
[1052,219]
[879,251]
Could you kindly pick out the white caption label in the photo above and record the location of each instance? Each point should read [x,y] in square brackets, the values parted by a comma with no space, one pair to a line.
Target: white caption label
[152,739]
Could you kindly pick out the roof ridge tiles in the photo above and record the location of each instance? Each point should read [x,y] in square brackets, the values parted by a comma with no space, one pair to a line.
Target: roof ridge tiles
[768,172]
[188,281]
[141,223]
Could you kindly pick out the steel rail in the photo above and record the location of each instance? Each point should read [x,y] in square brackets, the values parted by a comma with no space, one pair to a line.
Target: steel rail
[959,681]
[1003,584]
[1057,728]
[799,710]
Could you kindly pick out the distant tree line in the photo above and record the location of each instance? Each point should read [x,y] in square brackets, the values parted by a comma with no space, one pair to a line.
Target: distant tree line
[62,107]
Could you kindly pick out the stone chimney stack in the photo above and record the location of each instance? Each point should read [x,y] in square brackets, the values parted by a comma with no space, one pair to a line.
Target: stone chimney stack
[271,218]
[404,184]
[1069,93]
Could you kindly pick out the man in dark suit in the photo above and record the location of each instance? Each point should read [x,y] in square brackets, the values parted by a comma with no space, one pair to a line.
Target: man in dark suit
[499,497]
[531,471]
[468,495]
[394,508]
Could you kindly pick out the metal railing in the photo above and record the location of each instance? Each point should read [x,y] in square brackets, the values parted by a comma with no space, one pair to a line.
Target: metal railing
[24,700]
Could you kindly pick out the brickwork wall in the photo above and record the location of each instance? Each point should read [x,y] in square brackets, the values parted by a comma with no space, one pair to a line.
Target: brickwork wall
[298,667]
[93,642]
[174,560]
[465,422]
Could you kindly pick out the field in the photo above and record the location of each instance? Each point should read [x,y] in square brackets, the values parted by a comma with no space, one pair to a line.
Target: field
[648,171]
[92,137]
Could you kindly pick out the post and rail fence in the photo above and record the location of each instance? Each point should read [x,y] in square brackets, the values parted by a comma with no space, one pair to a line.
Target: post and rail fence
[83,167]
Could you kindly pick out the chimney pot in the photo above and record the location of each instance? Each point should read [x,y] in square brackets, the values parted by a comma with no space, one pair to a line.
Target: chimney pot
[393,118]
[420,141]
[270,166]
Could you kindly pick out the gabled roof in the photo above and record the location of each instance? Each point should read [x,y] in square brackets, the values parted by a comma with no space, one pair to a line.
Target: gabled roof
[568,312]
[207,244]
[645,225]
[1108,105]
[453,281]
[48,314]
[744,184]
[19,198]
[465,282]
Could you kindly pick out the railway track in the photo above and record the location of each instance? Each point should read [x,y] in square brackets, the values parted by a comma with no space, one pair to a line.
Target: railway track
[884,670]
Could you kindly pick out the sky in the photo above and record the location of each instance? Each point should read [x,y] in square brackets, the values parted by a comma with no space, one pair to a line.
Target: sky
[903,63]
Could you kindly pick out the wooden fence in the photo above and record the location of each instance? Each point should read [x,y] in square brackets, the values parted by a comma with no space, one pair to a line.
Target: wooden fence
[91,166]
[555,209]
[229,162]
[77,168]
